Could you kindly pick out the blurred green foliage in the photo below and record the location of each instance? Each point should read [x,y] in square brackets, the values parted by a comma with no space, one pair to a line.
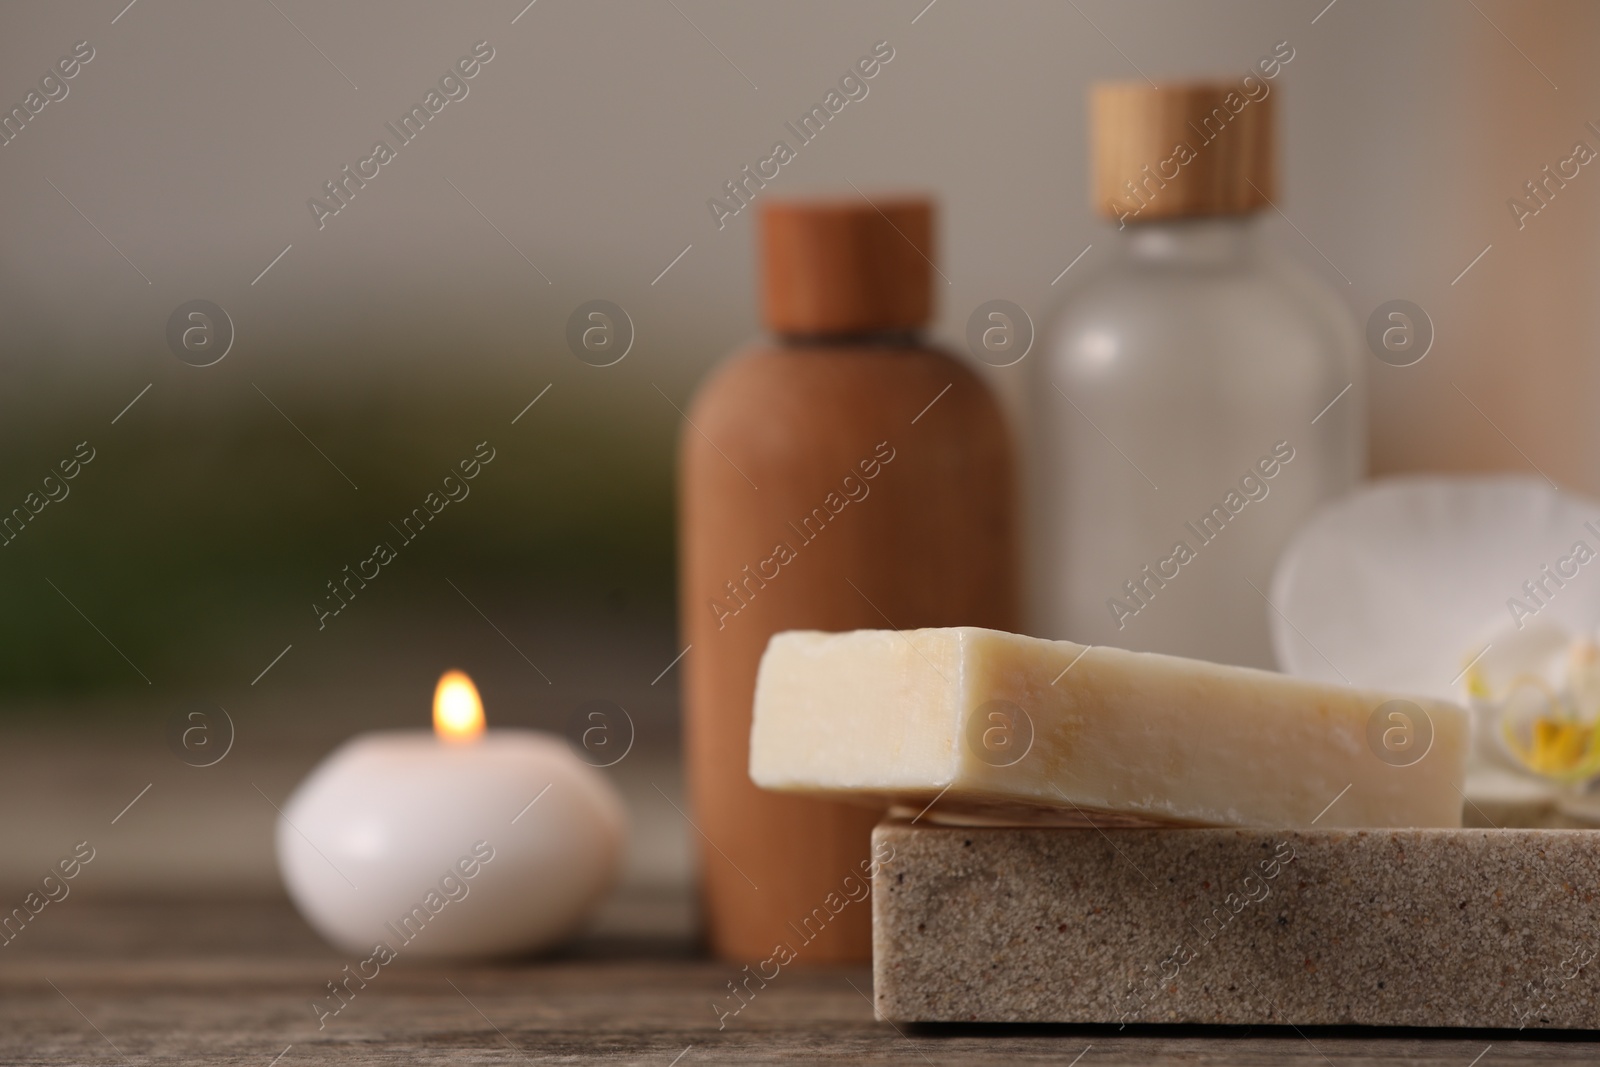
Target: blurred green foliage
[206,525]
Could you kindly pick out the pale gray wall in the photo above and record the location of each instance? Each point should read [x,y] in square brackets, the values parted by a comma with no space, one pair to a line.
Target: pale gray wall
[593,139]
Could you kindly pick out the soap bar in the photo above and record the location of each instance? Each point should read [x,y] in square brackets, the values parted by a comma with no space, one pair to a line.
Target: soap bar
[982,726]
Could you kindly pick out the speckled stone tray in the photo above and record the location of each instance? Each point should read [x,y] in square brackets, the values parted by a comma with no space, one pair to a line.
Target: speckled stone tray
[1444,928]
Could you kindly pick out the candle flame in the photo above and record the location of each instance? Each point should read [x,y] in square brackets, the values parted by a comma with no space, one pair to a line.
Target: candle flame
[457,710]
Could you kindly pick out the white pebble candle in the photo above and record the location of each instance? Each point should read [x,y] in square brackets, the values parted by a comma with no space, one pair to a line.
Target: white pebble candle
[460,842]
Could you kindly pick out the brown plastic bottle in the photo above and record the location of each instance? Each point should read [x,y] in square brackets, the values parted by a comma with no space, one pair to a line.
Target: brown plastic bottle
[838,475]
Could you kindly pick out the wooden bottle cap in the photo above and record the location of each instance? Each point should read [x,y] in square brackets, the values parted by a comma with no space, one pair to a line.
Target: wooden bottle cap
[1171,151]
[840,266]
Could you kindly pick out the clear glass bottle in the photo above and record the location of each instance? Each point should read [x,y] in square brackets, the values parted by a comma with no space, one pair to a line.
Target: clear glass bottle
[1201,396]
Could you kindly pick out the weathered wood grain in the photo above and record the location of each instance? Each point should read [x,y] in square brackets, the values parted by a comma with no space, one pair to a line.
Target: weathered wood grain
[229,982]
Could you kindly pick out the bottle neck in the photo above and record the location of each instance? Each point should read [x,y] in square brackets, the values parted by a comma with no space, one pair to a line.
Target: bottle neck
[864,339]
[1210,241]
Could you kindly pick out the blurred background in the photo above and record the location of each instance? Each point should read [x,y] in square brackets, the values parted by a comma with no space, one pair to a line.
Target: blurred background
[373,349]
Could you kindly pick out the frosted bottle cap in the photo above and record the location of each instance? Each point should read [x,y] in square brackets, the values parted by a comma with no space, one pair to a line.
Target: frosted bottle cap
[846,265]
[1184,149]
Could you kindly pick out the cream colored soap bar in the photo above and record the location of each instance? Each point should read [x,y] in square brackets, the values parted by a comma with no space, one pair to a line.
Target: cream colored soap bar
[1000,727]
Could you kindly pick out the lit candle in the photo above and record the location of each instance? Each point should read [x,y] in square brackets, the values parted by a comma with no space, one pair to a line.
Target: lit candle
[459,842]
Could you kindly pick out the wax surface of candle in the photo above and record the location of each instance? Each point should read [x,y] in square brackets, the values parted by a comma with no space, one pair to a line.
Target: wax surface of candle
[496,846]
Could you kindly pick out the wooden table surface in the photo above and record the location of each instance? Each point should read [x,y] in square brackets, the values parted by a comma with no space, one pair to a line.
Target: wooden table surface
[230,982]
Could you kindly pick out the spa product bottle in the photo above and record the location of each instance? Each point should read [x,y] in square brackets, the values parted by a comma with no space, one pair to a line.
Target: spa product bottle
[1196,399]
[839,474]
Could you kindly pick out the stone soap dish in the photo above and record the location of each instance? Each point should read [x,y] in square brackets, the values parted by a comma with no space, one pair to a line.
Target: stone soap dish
[1436,928]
